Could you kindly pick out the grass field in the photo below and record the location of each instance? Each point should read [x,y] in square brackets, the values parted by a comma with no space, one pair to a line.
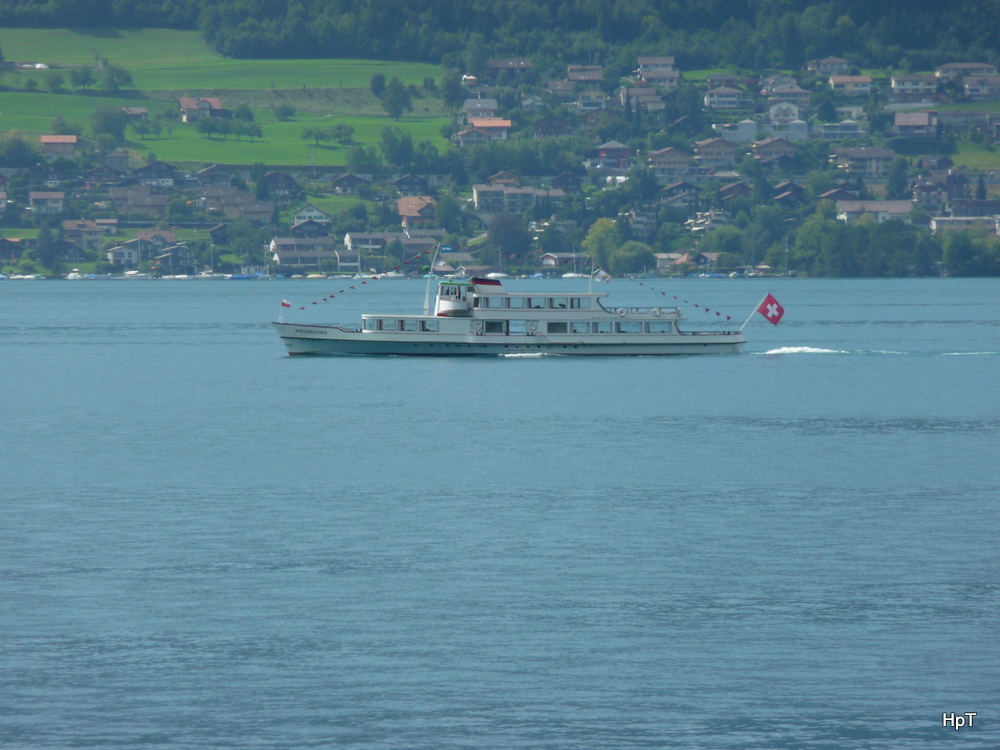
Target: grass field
[168,59]
[976,157]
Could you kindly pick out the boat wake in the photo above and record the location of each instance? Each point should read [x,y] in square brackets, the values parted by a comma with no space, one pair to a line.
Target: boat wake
[805,350]
[528,355]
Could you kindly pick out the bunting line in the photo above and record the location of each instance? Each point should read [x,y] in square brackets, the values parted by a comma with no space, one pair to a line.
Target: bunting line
[693,304]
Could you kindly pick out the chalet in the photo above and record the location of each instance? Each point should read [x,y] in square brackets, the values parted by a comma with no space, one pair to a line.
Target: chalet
[942,224]
[669,162]
[770,148]
[280,185]
[717,80]
[916,124]
[349,184]
[54,146]
[743,131]
[561,91]
[415,242]
[215,175]
[126,254]
[659,73]
[312,253]
[551,127]
[498,199]
[717,153]
[844,192]
[411,185]
[568,183]
[46,203]
[138,201]
[614,155]
[504,178]
[531,101]
[787,187]
[987,207]
[871,161]
[563,260]
[584,73]
[679,188]
[176,259]
[789,92]
[851,85]
[156,174]
[647,99]
[930,195]
[309,228]
[734,190]
[838,131]
[791,130]
[311,213]
[982,88]
[495,127]
[12,248]
[84,232]
[471,137]
[415,210]
[514,65]
[725,97]
[158,239]
[828,66]
[958,71]
[849,212]
[783,112]
[910,87]
[194,108]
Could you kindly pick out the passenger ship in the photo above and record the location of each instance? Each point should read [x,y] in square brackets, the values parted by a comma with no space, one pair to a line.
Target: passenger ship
[477,317]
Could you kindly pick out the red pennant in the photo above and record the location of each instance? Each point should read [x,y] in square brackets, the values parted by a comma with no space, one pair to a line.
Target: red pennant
[302,308]
[728,317]
[315,303]
[353,287]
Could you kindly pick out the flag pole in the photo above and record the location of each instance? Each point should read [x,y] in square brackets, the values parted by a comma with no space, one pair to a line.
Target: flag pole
[751,314]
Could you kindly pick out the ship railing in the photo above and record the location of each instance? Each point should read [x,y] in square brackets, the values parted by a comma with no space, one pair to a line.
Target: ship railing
[651,310]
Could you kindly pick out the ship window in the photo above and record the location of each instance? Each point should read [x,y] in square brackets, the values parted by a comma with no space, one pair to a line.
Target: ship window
[408,325]
[630,326]
[429,325]
[603,327]
[557,303]
[517,327]
[660,326]
[494,326]
[478,302]
[579,303]
[556,327]
[536,303]
[516,303]
[578,327]
[369,325]
[386,325]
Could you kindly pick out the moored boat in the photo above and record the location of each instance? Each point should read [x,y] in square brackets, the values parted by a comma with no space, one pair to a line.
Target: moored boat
[479,317]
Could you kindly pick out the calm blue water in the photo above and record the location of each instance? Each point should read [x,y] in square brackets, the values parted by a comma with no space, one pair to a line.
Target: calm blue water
[205,543]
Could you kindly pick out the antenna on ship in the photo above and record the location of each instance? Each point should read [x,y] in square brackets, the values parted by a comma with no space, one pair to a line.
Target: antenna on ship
[430,276]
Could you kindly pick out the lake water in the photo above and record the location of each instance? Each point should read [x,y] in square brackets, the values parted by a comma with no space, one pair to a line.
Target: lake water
[205,543]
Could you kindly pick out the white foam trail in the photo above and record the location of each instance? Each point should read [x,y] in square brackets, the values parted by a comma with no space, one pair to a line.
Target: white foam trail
[528,355]
[805,350]
[967,354]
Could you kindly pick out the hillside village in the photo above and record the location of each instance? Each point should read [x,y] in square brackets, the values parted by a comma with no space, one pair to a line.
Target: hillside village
[822,172]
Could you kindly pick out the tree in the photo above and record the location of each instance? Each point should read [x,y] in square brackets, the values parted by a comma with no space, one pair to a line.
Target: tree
[396,99]
[377,85]
[448,213]
[898,187]
[284,112]
[603,238]
[54,82]
[81,78]
[508,237]
[632,257]
[342,133]
[981,189]
[115,78]
[243,112]
[452,91]
[109,121]
[396,146]
[315,134]
[206,126]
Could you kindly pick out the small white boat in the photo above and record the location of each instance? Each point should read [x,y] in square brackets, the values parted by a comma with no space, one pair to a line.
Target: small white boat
[136,275]
[74,275]
[479,318]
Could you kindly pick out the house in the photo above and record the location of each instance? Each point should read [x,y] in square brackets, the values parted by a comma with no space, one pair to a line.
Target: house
[771,148]
[311,213]
[667,163]
[479,108]
[83,232]
[510,64]
[591,100]
[12,248]
[349,184]
[743,131]
[913,87]
[46,203]
[561,91]
[551,127]
[942,224]
[194,108]
[411,185]
[793,130]
[215,175]
[471,137]
[916,124]
[568,183]
[497,199]
[783,112]
[174,260]
[734,190]
[717,80]
[158,239]
[138,201]
[415,210]
[312,253]
[850,211]
[136,114]
[280,185]
[504,178]
[958,71]
[126,254]
[495,127]
[531,101]
[647,99]
[870,161]
[659,73]
[851,85]
[614,155]
[116,161]
[156,174]
[584,73]
[309,228]
[788,92]
[838,131]
[930,195]
[828,66]
[982,88]
[987,207]
[725,97]
[717,153]
[54,146]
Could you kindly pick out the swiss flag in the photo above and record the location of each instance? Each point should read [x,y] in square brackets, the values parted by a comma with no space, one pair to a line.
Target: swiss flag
[770,309]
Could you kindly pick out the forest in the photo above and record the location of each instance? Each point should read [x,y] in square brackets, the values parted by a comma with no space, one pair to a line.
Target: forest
[698,33]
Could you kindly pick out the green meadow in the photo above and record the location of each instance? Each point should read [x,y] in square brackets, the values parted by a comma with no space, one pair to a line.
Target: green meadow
[165,59]
[166,64]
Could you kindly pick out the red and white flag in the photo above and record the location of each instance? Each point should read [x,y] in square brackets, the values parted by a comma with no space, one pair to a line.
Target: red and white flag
[770,309]
[285,303]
